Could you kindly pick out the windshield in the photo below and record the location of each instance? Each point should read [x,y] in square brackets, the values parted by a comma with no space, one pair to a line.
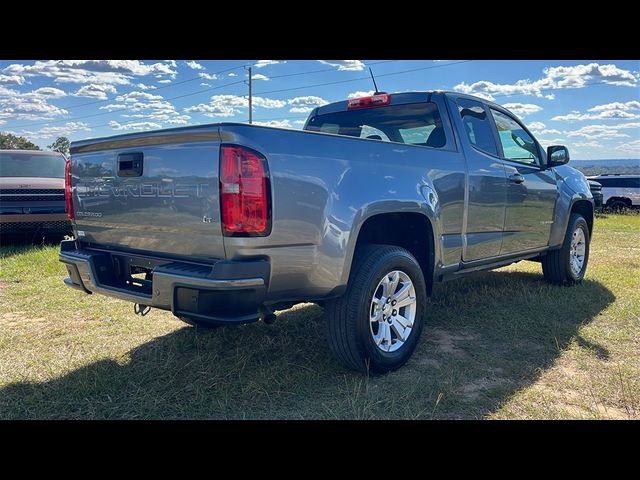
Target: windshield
[24,164]
[414,123]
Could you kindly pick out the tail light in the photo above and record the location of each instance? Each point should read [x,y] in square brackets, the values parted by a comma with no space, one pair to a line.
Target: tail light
[244,192]
[369,102]
[68,199]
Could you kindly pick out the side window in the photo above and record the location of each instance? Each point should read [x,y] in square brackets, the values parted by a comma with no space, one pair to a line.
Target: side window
[477,126]
[517,145]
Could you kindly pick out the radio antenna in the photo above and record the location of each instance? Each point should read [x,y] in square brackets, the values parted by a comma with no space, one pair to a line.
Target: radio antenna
[374,81]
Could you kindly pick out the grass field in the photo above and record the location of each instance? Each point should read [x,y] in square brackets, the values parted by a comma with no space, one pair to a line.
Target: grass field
[502,344]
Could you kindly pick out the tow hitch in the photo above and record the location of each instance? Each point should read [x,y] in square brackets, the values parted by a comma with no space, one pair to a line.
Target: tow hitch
[140,309]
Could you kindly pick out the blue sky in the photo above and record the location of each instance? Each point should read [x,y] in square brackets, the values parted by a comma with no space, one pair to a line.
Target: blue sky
[592,106]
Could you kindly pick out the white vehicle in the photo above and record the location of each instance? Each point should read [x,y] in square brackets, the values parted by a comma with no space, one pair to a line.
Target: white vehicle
[619,191]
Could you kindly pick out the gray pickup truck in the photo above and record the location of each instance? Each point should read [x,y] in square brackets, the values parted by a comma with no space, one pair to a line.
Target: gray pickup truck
[362,211]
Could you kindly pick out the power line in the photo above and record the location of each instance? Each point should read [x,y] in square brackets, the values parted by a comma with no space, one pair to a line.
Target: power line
[173,84]
[363,78]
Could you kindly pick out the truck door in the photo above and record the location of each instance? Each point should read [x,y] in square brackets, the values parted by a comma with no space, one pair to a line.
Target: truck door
[487,184]
[531,190]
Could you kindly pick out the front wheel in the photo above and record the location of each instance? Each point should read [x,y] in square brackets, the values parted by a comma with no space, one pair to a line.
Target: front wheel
[377,323]
[567,265]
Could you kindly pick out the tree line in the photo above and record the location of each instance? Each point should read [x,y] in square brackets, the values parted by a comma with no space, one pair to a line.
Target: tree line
[9,141]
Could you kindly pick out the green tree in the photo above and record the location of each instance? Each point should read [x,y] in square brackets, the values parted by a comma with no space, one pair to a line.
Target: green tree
[60,145]
[9,141]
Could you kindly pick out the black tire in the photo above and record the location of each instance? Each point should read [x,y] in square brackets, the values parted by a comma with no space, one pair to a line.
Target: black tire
[348,325]
[200,323]
[556,265]
[617,206]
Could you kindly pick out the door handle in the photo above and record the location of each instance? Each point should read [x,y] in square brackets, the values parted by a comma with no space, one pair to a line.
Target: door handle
[516,178]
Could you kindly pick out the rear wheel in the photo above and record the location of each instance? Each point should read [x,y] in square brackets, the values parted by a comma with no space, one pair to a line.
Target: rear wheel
[617,206]
[377,323]
[567,265]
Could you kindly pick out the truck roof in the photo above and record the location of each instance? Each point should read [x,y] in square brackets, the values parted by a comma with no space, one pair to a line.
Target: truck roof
[400,98]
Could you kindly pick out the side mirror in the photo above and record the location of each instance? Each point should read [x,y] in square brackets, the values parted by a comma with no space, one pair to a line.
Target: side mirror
[557,155]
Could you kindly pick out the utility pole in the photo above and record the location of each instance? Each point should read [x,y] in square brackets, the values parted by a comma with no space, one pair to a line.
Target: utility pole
[250,96]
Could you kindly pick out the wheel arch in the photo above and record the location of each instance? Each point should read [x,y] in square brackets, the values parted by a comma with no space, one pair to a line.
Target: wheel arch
[412,230]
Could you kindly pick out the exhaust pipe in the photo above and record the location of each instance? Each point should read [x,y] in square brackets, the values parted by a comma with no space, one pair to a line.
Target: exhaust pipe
[267,315]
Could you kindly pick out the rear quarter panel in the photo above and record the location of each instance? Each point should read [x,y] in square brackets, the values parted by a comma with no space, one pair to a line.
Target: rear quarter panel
[325,187]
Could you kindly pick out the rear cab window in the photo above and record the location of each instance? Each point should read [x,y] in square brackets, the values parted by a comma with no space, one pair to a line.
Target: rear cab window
[412,124]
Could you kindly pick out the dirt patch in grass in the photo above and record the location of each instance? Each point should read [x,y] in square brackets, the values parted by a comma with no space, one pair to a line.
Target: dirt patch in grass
[451,343]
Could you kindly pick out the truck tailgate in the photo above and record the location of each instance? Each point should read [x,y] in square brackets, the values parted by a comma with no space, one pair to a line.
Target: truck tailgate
[154,191]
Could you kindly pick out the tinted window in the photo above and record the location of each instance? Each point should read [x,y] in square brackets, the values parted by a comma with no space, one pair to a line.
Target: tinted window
[21,164]
[477,126]
[517,145]
[414,123]
[619,182]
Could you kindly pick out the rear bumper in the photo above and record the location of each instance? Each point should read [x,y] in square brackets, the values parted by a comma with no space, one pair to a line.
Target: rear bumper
[224,292]
[50,223]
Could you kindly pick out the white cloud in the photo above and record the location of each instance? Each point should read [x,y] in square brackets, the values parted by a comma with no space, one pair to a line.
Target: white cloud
[264,63]
[551,141]
[345,64]
[275,123]
[16,79]
[208,76]
[232,74]
[148,106]
[33,105]
[632,148]
[230,105]
[205,84]
[137,96]
[95,91]
[142,86]
[57,131]
[134,125]
[615,110]
[305,104]
[360,94]
[576,76]
[114,106]
[268,102]
[117,72]
[631,105]
[301,109]
[547,131]
[590,144]
[536,125]
[259,76]
[603,131]
[522,109]
[194,65]
[601,115]
[166,80]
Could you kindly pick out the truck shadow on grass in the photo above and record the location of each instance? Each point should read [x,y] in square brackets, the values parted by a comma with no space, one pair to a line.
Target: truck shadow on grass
[486,338]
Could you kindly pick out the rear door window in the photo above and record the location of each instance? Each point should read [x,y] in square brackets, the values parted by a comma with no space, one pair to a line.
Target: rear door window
[477,126]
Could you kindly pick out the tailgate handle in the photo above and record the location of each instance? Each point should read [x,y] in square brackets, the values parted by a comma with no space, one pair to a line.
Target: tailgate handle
[130,164]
